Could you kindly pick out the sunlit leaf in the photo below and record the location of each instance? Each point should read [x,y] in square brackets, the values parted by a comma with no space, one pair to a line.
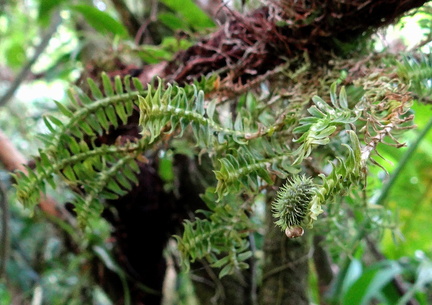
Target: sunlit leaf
[100,21]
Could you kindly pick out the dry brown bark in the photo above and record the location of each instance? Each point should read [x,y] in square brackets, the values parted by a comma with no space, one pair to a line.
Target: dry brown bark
[249,46]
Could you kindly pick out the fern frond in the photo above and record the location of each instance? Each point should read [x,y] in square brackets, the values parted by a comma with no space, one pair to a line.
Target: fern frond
[107,184]
[386,112]
[417,71]
[105,172]
[70,151]
[163,110]
[346,173]
[71,154]
[248,166]
[324,121]
[79,165]
[91,116]
[252,164]
[221,239]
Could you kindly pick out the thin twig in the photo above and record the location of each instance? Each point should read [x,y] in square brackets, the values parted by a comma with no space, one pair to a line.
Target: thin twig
[401,164]
[283,267]
[362,232]
[128,19]
[27,67]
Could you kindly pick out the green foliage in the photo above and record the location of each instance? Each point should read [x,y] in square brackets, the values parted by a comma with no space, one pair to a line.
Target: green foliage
[318,128]
[220,238]
[15,55]
[176,107]
[70,149]
[4,294]
[292,205]
[164,51]
[246,167]
[409,190]
[371,282]
[101,21]
[362,283]
[323,152]
[71,153]
[41,266]
[417,70]
[246,156]
[14,40]
[45,9]
[345,173]
[189,12]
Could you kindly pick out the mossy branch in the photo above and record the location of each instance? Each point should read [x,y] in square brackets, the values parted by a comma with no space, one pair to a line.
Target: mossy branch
[246,155]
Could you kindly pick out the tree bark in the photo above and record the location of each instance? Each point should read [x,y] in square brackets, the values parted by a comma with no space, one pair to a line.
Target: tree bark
[230,290]
[322,263]
[285,271]
[248,46]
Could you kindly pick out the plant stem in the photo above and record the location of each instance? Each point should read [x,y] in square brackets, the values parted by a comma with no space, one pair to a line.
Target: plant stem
[27,67]
[401,165]
[380,200]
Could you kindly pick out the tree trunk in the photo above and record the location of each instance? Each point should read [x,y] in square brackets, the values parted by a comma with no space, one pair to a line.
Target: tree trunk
[230,290]
[285,271]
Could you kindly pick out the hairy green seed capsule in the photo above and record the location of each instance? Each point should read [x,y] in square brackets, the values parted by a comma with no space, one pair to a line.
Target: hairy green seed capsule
[292,206]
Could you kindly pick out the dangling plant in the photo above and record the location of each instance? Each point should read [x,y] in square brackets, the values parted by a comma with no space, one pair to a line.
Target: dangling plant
[292,207]
[100,172]
[248,153]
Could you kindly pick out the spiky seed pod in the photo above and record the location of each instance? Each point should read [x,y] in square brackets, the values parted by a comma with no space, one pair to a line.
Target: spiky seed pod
[292,206]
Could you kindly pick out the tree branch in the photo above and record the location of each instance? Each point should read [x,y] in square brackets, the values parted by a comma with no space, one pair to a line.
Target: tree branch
[284,29]
[27,67]
[128,19]
[13,160]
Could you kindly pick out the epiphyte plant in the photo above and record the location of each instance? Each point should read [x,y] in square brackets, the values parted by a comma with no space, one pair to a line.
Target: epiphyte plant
[292,206]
